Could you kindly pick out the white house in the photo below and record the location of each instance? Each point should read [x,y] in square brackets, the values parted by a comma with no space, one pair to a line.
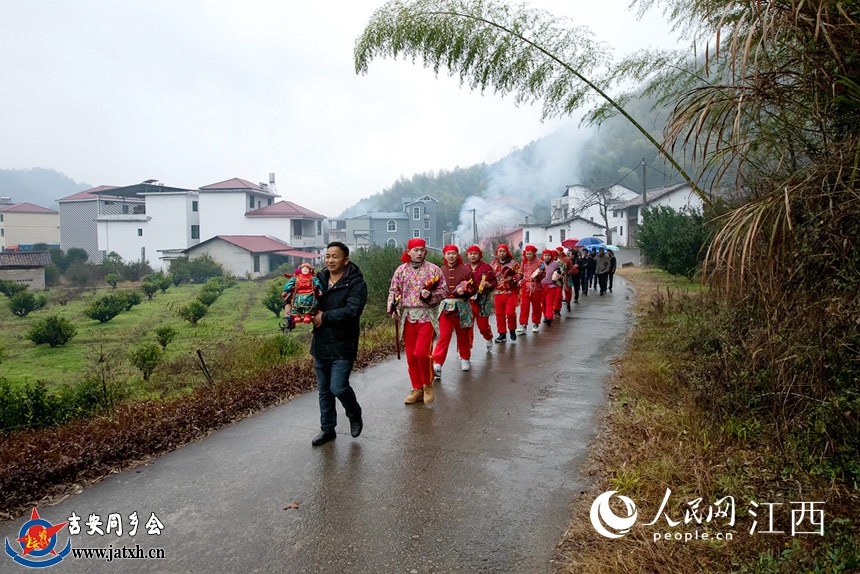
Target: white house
[249,256]
[168,221]
[550,235]
[625,217]
[586,202]
[173,219]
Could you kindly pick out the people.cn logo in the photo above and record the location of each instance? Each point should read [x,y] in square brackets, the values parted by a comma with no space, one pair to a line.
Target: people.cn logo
[601,513]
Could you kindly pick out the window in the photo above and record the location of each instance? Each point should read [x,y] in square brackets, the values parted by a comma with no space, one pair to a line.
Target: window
[416,233]
[1,218]
[392,242]
[549,239]
[526,238]
[427,224]
[319,227]
[621,231]
[561,235]
[124,208]
[416,213]
[392,226]
[256,263]
[139,232]
[252,201]
[195,232]
[193,206]
[270,201]
[2,232]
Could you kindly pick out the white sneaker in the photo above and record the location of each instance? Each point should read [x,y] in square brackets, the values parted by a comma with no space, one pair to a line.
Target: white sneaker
[464,364]
[535,328]
[489,345]
[521,330]
[437,370]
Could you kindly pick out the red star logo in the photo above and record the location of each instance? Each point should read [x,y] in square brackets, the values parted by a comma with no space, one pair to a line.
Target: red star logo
[38,537]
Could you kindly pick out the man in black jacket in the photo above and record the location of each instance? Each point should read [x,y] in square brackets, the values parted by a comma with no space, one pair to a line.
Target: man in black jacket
[335,339]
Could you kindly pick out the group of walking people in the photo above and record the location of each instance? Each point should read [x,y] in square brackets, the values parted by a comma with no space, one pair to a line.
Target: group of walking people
[427,300]
[430,303]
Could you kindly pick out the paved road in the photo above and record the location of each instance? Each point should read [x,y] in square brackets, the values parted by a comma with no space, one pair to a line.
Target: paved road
[479,481]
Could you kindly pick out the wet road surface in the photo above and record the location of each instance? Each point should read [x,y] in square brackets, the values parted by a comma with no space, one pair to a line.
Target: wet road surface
[479,481]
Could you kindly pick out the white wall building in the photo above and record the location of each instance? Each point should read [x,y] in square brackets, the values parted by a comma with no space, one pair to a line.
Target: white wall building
[551,235]
[627,216]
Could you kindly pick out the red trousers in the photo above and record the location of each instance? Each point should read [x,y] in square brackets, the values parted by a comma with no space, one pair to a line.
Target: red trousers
[568,293]
[449,323]
[418,343]
[530,299]
[483,324]
[551,298]
[506,311]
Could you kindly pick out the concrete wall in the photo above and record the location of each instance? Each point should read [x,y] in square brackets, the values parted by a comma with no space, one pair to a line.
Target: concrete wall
[33,278]
[29,228]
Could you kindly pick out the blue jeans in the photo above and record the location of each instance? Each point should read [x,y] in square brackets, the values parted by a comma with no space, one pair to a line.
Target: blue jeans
[333,381]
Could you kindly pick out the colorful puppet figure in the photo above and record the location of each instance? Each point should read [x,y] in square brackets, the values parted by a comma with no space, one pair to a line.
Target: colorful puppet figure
[302,290]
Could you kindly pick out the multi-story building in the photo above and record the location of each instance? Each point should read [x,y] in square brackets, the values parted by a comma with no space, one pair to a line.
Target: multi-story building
[27,224]
[626,217]
[171,220]
[419,218]
[79,214]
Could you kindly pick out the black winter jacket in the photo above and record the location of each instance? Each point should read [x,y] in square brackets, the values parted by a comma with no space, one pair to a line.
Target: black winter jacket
[341,305]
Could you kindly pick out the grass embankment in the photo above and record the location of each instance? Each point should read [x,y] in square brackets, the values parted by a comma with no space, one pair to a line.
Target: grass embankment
[660,434]
[237,313]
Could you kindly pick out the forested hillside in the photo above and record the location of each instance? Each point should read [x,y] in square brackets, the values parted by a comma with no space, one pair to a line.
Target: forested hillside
[38,185]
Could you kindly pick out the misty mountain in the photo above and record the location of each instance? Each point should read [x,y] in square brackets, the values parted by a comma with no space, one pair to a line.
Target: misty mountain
[38,186]
[502,194]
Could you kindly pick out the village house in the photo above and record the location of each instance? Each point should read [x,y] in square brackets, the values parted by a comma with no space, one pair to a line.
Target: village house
[27,224]
[27,268]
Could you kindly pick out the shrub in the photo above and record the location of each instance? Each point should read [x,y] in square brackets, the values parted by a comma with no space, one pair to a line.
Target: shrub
[112,279]
[673,240]
[106,308]
[272,300]
[219,284]
[193,312]
[165,335]
[131,298]
[23,303]
[11,288]
[207,297]
[53,330]
[149,289]
[146,358]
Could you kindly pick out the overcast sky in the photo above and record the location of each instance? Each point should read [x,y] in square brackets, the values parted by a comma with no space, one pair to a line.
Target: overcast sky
[192,92]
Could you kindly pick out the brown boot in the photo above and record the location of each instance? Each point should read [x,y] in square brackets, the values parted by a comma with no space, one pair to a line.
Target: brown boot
[415,396]
[428,394]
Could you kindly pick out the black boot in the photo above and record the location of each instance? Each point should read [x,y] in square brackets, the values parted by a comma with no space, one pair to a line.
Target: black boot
[501,338]
[568,306]
[324,437]
[513,335]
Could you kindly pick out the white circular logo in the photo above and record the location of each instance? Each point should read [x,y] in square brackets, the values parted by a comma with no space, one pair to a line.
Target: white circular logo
[602,514]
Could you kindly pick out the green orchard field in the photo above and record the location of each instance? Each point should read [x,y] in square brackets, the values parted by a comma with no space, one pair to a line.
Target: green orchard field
[237,323]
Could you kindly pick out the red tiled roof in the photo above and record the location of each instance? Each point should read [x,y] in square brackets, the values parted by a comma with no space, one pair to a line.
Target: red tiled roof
[89,194]
[253,243]
[26,208]
[298,253]
[285,209]
[30,259]
[235,183]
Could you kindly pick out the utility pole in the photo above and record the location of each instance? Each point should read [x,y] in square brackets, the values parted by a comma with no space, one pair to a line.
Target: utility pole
[475,227]
[644,193]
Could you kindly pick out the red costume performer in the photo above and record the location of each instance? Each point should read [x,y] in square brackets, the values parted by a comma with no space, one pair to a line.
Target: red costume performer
[455,312]
[482,302]
[416,290]
[531,291]
[507,292]
[565,263]
[550,285]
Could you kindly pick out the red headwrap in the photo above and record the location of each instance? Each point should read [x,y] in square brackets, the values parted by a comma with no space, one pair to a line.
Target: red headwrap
[453,248]
[531,248]
[560,249]
[412,243]
[547,251]
[475,249]
[503,246]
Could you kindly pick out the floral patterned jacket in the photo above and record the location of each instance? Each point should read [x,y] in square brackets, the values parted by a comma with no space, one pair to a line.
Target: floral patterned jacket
[405,293]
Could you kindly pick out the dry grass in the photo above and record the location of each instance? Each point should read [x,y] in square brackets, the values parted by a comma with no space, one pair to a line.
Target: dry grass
[657,435]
